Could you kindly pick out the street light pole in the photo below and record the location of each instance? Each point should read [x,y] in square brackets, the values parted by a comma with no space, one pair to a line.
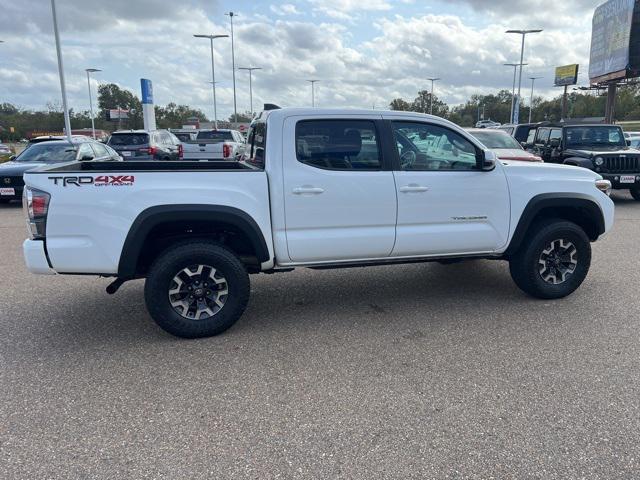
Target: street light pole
[93,126]
[213,76]
[513,91]
[533,79]
[63,88]
[431,102]
[250,70]
[233,66]
[313,93]
[524,33]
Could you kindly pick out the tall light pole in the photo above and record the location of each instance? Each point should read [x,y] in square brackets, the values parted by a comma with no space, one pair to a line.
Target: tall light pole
[250,70]
[63,88]
[213,76]
[524,33]
[513,91]
[533,80]
[313,92]
[90,71]
[431,103]
[233,66]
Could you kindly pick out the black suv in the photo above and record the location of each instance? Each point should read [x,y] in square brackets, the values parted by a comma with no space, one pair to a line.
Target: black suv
[598,147]
[146,145]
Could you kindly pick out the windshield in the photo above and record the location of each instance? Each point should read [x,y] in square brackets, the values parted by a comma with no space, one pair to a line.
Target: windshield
[497,139]
[48,152]
[579,137]
[129,139]
[215,135]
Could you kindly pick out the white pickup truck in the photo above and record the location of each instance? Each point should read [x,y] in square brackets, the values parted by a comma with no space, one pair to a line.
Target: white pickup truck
[219,144]
[317,189]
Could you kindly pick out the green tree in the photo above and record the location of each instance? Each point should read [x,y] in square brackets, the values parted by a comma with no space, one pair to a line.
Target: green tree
[111,96]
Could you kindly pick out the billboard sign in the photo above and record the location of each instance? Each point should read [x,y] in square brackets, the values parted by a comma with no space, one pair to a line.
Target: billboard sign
[566,75]
[118,114]
[610,40]
[147,91]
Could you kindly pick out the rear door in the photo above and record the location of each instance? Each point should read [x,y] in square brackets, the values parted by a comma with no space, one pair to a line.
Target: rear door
[446,206]
[340,197]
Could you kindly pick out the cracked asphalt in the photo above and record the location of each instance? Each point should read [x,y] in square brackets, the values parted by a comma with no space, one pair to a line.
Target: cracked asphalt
[395,372]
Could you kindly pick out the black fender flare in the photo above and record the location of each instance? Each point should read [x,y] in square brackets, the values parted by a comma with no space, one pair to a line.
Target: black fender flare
[154,216]
[579,162]
[557,200]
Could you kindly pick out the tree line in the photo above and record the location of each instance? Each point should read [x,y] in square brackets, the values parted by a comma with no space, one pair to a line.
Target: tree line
[497,106]
[110,96]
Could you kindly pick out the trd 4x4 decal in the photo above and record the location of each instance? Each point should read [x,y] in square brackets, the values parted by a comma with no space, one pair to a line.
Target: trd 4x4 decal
[99,181]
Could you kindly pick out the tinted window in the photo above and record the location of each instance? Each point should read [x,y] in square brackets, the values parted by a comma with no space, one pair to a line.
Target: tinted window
[593,136]
[422,146]
[257,141]
[532,136]
[215,136]
[183,137]
[120,139]
[48,152]
[556,134]
[338,144]
[543,135]
[497,139]
[522,134]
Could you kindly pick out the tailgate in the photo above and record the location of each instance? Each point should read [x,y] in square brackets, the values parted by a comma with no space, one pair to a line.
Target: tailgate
[202,149]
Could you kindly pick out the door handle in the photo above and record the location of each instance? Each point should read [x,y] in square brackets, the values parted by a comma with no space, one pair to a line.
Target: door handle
[413,188]
[308,191]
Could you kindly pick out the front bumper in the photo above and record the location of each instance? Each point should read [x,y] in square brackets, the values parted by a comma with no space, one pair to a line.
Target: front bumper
[35,257]
[616,180]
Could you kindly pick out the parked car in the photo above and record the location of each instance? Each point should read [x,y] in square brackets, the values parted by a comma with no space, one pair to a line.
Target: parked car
[49,153]
[48,138]
[487,124]
[146,145]
[521,132]
[598,147]
[318,189]
[504,145]
[5,153]
[221,144]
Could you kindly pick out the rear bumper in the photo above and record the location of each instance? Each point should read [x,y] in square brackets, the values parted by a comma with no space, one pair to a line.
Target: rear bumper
[18,193]
[615,179]
[35,257]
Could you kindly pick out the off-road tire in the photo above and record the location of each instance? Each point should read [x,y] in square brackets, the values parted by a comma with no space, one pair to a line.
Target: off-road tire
[172,262]
[526,264]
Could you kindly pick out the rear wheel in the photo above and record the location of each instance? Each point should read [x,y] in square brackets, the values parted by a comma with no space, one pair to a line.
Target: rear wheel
[196,289]
[635,193]
[554,262]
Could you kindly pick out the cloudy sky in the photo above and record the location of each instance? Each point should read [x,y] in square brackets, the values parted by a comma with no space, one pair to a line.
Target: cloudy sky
[364,52]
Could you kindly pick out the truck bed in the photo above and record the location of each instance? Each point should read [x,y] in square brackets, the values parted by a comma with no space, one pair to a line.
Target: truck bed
[150,166]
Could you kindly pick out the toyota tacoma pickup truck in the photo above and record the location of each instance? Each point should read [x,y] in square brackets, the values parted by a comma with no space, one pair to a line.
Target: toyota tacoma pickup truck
[219,144]
[317,189]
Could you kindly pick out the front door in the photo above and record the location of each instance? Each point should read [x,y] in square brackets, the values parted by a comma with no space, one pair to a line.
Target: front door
[446,206]
[340,200]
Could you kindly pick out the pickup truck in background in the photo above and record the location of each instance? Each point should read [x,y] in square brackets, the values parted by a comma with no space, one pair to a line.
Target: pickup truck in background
[318,189]
[215,145]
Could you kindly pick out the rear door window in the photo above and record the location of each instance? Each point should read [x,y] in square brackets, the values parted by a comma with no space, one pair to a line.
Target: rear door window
[257,141]
[215,136]
[543,135]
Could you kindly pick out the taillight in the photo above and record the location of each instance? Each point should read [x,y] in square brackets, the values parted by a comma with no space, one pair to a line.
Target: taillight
[226,150]
[148,151]
[36,206]
[180,151]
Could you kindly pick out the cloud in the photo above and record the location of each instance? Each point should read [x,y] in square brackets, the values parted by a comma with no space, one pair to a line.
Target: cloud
[285,9]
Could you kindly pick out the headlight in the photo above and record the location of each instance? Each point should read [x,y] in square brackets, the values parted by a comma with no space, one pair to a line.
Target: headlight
[599,161]
[604,186]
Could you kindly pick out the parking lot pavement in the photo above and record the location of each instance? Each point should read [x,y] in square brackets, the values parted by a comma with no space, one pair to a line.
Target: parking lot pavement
[419,371]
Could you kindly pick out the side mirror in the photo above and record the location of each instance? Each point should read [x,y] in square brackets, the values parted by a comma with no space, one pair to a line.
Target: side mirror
[12,158]
[525,145]
[554,143]
[487,161]
[628,143]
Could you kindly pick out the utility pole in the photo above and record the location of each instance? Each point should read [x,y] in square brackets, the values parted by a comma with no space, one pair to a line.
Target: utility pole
[513,92]
[213,76]
[533,79]
[250,70]
[233,66]
[524,33]
[431,103]
[67,120]
[93,125]
[313,93]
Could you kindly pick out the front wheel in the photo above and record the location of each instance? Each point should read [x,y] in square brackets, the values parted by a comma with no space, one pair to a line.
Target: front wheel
[635,193]
[196,290]
[554,262]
